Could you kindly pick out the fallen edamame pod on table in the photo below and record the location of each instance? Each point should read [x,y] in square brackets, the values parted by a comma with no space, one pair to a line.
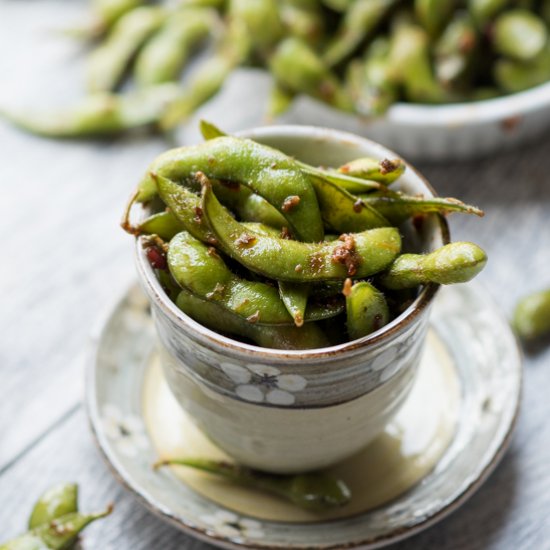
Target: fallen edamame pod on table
[315,490]
[218,318]
[57,501]
[353,255]
[532,316]
[59,534]
[366,309]
[453,263]
[101,114]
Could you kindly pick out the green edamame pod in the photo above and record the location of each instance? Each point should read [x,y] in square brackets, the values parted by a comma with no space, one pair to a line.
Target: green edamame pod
[519,34]
[455,50]
[397,207]
[266,171]
[360,19]
[411,66]
[101,114]
[484,10]
[371,81]
[109,61]
[59,534]
[355,255]
[384,171]
[298,68]
[343,212]
[453,263]
[216,317]
[532,316]
[57,501]
[433,14]
[515,76]
[314,490]
[164,56]
[366,309]
[350,183]
[163,224]
[303,19]
[294,296]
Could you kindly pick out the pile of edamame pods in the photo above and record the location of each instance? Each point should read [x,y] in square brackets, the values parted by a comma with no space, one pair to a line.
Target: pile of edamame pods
[359,56]
[55,522]
[257,245]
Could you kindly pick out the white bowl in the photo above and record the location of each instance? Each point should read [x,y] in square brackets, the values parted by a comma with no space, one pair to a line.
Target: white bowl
[441,132]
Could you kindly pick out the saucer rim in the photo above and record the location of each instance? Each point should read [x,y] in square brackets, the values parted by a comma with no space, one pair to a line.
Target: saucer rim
[202,534]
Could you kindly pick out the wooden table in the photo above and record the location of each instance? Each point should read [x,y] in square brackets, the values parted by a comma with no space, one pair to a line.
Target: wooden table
[64,260]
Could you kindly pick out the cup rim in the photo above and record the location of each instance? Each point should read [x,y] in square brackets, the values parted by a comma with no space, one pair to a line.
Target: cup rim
[213,339]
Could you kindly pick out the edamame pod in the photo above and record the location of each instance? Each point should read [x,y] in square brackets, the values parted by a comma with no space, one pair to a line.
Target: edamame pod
[266,171]
[59,534]
[294,297]
[532,316]
[384,171]
[164,56]
[366,309]
[163,224]
[453,263]
[101,114]
[353,255]
[57,501]
[314,490]
[433,14]
[109,61]
[216,317]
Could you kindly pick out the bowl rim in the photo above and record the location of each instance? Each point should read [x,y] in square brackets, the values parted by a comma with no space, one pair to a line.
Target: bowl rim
[224,344]
[470,112]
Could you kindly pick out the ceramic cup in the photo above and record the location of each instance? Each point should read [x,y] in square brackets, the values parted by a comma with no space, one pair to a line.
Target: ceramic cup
[292,411]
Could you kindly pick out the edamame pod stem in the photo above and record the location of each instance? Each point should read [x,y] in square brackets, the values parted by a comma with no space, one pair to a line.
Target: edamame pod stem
[532,316]
[453,263]
[384,171]
[266,171]
[366,309]
[315,490]
[59,534]
[519,34]
[109,61]
[343,212]
[354,255]
[397,207]
[219,319]
[360,19]
[164,56]
[57,501]
[294,297]
[298,68]
[209,130]
[100,114]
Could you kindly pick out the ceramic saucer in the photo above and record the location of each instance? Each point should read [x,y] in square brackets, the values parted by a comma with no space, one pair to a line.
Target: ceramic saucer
[448,437]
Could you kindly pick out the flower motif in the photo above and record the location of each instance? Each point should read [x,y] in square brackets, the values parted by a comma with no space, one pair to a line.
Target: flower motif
[229,524]
[259,383]
[126,431]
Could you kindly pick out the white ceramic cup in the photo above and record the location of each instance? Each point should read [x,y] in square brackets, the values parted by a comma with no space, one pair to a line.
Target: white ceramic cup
[293,411]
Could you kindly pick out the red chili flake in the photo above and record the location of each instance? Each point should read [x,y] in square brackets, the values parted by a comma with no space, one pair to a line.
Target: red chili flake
[511,123]
[358,206]
[254,318]
[156,257]
[198,214]
[290,202]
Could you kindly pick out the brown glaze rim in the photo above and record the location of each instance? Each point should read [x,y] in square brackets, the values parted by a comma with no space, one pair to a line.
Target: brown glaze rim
[223,344]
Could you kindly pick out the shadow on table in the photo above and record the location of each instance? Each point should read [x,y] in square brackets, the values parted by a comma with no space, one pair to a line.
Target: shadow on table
[477,524]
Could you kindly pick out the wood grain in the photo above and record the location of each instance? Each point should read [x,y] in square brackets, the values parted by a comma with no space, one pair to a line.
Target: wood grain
[64,259]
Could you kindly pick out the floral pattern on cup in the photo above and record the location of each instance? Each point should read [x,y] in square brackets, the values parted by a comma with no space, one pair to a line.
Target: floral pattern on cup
[125,430]
[262,383]
[229,524]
